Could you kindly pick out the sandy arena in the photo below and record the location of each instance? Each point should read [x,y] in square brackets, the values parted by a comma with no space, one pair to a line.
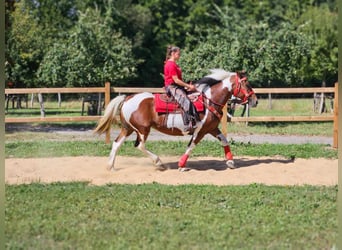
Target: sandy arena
[204,170]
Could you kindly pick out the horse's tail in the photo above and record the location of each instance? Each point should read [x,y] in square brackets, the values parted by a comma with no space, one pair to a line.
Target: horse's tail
[111,111]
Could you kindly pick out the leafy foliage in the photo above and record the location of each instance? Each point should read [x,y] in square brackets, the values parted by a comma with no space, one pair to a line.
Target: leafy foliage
[276,57]
[320,24]
[24,47]
[84,43]
[92,55]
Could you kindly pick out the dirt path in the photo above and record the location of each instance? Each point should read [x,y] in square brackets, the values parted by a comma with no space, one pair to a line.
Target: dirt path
[205,170]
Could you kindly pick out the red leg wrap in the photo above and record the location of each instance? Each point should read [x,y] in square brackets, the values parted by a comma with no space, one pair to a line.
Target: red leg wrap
[228,153]
[183,160]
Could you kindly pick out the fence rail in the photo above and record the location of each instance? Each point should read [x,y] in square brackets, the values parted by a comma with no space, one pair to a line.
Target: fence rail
[54,90]
[294,90]
[283,118]
[107,90]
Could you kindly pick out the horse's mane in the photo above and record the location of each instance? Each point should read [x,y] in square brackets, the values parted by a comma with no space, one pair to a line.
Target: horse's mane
[216,76]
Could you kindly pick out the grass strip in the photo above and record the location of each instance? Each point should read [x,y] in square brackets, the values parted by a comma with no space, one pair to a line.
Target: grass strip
[154,216]
[37,149]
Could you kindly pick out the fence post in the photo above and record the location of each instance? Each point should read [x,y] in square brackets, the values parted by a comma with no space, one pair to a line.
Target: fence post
[41,103]
[59,97]
[107,100]
[335,142]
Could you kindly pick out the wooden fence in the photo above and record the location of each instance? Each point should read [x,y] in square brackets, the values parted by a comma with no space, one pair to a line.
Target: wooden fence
[107,90]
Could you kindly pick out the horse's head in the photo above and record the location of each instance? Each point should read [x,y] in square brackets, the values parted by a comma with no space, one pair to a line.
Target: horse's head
[243,90]
[236,84]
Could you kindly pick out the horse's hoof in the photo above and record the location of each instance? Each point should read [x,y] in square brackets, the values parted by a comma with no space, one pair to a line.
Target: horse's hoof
[230,164]
[161,167]
[183,169]
[110,168]
[158,163]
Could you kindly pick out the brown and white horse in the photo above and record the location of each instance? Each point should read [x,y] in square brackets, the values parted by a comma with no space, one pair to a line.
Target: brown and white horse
[138,114]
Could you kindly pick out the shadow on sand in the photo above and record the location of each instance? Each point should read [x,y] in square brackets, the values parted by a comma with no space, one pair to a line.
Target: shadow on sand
[220,165]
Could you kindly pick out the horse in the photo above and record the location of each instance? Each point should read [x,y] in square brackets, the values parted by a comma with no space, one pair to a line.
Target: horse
[138,113]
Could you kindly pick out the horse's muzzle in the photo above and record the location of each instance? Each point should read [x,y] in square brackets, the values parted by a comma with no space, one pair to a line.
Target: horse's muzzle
[253,102]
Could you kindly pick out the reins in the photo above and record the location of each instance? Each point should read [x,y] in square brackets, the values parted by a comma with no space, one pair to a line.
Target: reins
[216,112]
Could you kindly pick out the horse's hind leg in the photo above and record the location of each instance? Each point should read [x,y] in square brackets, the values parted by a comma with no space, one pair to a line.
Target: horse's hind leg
[116,145]
[155,158]
[140,144]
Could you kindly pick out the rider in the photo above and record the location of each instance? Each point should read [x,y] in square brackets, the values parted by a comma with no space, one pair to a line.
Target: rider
[176,87]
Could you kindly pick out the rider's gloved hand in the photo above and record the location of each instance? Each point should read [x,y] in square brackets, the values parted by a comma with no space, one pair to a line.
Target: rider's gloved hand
[191,87]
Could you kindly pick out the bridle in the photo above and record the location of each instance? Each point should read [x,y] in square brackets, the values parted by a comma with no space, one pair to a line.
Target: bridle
[238,89]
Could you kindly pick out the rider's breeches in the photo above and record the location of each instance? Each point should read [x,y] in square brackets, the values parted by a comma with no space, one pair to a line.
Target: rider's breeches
[179,94]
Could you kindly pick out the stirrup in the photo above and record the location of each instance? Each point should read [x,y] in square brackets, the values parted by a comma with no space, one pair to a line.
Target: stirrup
[191,126]
[188,128]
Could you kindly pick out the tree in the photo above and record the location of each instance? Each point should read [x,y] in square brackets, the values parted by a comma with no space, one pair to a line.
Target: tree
[282,57]
[259,36]
[24,47]
[32,28]
[93,54]
[278,57]
[320,25]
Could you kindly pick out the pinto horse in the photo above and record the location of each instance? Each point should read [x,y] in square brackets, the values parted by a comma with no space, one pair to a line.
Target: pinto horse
[138,114]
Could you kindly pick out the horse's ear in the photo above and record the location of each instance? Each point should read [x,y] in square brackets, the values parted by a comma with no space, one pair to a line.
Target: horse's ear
[242,73]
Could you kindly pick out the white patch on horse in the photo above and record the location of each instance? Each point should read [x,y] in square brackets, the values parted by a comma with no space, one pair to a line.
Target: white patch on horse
[132,104]
[175,121]
[208,93]
[222,75]
[226,83]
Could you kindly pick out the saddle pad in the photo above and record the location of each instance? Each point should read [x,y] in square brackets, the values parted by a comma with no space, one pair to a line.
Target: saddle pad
[163,104]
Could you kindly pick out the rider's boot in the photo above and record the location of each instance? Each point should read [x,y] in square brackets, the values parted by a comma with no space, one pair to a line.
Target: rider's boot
[188,122]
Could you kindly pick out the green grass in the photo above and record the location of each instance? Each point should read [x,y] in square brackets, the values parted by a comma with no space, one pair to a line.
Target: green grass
[33,149]
[68,108]
[282,128]
[285,107]
[52,112]
[154,216]
[269,128]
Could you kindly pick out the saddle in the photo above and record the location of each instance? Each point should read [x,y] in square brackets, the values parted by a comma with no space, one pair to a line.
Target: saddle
[166,104]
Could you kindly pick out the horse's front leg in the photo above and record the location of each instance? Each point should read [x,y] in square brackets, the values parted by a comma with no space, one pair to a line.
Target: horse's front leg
[195,139]
[227,152]
[183,160]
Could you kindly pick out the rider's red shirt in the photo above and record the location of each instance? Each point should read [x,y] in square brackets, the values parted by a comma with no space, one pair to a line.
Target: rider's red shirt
[171,69]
